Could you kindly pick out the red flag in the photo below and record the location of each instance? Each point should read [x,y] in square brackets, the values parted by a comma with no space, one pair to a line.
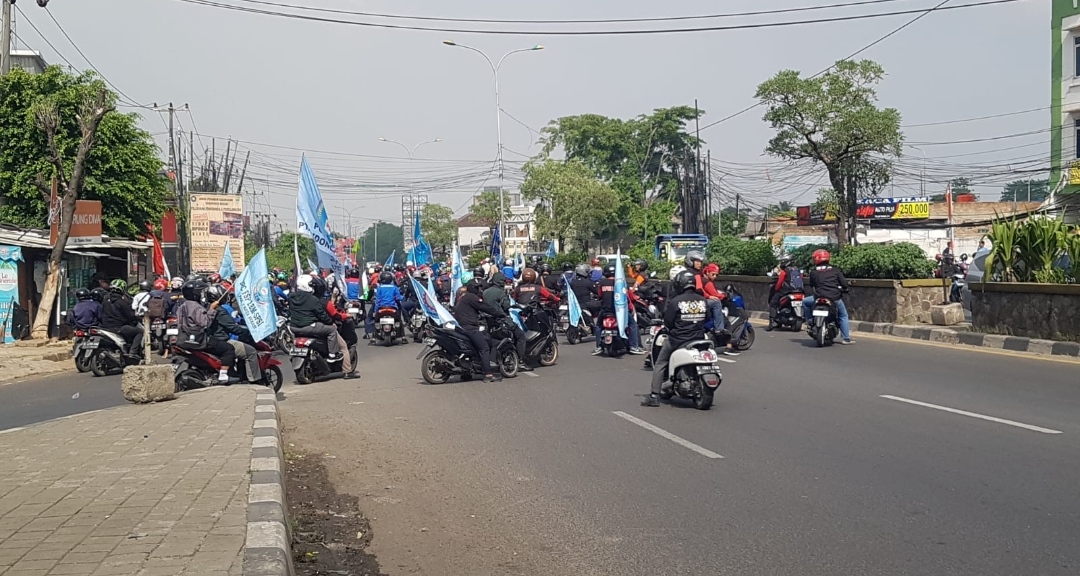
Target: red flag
[160,267]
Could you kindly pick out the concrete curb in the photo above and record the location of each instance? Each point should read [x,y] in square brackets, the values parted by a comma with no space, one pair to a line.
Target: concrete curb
[948,336]
[268,549]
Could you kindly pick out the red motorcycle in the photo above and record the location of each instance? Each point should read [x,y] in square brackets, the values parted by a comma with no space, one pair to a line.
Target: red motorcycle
[199,368]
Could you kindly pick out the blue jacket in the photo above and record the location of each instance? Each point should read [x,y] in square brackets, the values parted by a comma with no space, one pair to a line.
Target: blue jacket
[508,271]
[388,296]
[352,288]
[597,275]
[85,314]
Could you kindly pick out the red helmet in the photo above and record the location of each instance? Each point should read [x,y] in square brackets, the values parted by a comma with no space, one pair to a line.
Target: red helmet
[595,261]
[161,284]
[821,257]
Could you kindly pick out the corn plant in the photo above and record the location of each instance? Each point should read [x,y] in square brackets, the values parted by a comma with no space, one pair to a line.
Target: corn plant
[1072,250]
[1003,258]
[1041,242]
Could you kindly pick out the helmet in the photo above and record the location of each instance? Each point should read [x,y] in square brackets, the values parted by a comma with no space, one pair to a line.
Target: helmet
[595,261]
[133,289]
[821,257]
[161,284]
[193,290]
[583,270]
[386,277]
[214,278]
[82,294]
[378,267]
[118,285]
[479,272]
[785,260]
[535,259]
[567,266]
[145,286]
[545,268]
[528,275]
[418,274]
[214,293]
[399,267]
[692,257]
[303,283]
[97,294]
[686,280]
[609,271]
[318,286]
[712,268]
[193,277]
[282,277]
[640,265]
[474,285]
[675,271]
[176,283]
[508,262]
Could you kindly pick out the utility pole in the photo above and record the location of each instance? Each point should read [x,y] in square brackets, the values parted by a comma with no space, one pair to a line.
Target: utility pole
[5,37]
[699,190]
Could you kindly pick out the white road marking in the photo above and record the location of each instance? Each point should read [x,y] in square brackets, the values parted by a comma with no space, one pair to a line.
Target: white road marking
[728,360]
[12,430]
[974,415]
[665,434]
[531,374]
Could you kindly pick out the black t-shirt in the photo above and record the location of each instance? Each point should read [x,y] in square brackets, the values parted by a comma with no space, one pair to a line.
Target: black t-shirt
[684,317]
[605,291]
[527,293]
[551,282]
[582,289]
[828,282]
[467,311]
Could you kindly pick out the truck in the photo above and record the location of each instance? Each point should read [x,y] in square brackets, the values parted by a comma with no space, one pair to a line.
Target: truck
[674,247]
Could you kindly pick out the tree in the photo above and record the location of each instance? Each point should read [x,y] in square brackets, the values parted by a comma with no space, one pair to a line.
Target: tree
[732,224]
[281,254]
[391,238]
[486,206]
[121,168]
[439,227]
[832,119]
[826,202]
[1029,190]
[784,208]
[573,203]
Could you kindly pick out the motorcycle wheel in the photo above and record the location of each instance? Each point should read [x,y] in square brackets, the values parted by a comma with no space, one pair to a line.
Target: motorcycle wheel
[189,379]
[99,364]
[284,340]
[573,335]
[306,374]
[82,362]
[433,367]
[747,339]
[821,336]
[798,326]
[704,400]
[273,378]
[550,355]
[508,363]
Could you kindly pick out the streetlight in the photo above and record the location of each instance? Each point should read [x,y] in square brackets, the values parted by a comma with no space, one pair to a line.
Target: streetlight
[413,195]
[498,121]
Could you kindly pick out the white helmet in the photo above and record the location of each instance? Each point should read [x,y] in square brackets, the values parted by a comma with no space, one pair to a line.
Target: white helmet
[675,271]
[303,283]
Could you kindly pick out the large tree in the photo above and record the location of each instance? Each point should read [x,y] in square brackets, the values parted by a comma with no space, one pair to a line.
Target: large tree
[486,206]
[833,119]
[122,168]
[439,226]
[390,239]
[1029,190]
[574,204]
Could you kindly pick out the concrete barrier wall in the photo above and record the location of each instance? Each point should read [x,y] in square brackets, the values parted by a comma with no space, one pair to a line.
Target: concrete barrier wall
[1045,311]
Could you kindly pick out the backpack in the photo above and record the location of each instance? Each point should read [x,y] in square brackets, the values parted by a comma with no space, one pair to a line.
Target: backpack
[192,322]
[155,307]
[794,278]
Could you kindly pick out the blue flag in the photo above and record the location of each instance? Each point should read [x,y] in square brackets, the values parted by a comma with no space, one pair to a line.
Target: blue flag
[551,250]
[421,251]
[519,262]
[457,274]
[496,245]
[312,220]
[573,306]
[390,259]
[255,299]
[430,305]
[621,309]
[516,315]
[227,268]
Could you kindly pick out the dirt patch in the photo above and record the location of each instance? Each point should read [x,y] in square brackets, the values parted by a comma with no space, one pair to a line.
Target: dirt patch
[330,534]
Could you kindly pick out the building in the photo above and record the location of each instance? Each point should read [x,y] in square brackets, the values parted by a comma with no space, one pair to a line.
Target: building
[29,60]
[473,233]
[1065,109]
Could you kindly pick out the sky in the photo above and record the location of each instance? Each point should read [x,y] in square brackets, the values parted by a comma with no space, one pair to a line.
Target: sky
[283,87]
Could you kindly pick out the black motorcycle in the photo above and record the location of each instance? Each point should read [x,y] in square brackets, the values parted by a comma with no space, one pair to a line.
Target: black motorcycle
[450,353]
[107,354]
[823,326]
[309,360]
[541,343]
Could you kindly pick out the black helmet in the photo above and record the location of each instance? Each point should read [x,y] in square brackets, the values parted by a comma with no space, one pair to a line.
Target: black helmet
[536,259]
[82,294]
[694,256]
[609,271]
[545,268]
[97,294]
[213,293]
[686,280]
[785,260]
[567,266]
[475,286]
[193,290]
[318,286]
[146,286]
[386,277]
[478,272]
[399,267]
[640,265]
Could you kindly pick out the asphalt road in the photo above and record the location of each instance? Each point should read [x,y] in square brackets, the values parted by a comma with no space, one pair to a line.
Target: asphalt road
[887,457]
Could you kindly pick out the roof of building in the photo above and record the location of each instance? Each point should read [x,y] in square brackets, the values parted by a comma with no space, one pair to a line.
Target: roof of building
[30,238]
[471,221]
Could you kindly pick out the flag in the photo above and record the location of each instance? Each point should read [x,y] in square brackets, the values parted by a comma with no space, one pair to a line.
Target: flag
[551,250]
[421,251]
[311,219]
[296,254]
[254,298]
[573,306]
[457,274]
[390,259]
[227,268]
[496,245]
[515,313]
[356,251]
[364,286]
[430,305]
[620,294]
[519,262]
[311,266]
[160,267]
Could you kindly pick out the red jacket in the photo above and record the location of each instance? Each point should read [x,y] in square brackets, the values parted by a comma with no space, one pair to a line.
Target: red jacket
[780,279]
[334,313]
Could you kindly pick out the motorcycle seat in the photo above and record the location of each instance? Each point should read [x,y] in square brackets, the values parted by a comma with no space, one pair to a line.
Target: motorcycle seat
[698,345]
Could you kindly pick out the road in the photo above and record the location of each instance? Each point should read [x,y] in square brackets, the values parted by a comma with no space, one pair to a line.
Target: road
[887,457]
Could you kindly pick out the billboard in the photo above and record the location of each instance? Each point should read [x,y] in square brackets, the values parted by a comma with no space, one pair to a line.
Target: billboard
[893,209]
[813,216]
[216,220]
[85,224]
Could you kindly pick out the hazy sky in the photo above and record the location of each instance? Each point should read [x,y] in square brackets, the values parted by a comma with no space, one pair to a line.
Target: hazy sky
[330,88]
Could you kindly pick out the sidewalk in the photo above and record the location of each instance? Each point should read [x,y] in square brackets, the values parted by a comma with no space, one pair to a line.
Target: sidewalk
[149,490]
[21,360]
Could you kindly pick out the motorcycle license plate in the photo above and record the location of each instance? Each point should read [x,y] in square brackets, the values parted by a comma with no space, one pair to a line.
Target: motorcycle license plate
[354,310]
[708,370]
[821,312]
[90,345]
[386,320]
[429,341]
[172,331]
[301,352]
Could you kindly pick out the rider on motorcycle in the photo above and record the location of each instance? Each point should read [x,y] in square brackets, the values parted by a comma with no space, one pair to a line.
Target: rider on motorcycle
[549,280]
[566,277]
[529,289]
[684,318]
[605,292]
[582,287]
[347,328]
[467,311]
[308,317]
[784,285]
[223,327]
[193,319]
[695,264]
[385,294]
[87,312]
[118,317]
[495,295]
[829,282]
[638,268]
[726,302]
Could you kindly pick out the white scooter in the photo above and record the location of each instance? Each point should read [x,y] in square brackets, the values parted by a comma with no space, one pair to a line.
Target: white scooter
[693,371]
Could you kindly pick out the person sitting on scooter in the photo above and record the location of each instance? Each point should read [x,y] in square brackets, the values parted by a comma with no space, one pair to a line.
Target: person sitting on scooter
[582,287]
[548,279]
[87,312]
[566,277]
[346,325]
[194,320]
[223,327]
[386,294]
[495,296]
[529,289]
[118,317]
[788,281]
[637,271]
[828,282]
[308,317]
[604,290]
[709,283]
[684,318]
[467,311]
[411,299]
[695,264]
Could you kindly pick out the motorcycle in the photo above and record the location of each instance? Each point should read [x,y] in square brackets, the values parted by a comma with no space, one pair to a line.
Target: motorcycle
[956,292]
[355,309]
[158,337]
[106,351]
[200,369]
[693,372]
[282,339]
[309,360]
[449,353]
[541,344]
[79,352]
[789,312]
[746,338]
[610,342]
[417,323]
[388,328]
[575,333]
[823,325]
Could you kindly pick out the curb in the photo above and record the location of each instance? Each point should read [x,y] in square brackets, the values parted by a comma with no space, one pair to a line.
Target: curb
[268,549]
[949,336]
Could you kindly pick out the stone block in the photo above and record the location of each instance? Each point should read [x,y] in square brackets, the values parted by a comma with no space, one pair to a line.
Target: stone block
[947,314]
[143,384]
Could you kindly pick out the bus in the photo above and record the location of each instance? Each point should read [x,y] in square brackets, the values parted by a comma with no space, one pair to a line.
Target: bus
[674,247]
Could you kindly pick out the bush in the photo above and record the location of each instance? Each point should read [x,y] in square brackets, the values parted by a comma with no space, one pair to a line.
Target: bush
[801,256]
[645,250]
[742,257]
[574,258]
[884,261]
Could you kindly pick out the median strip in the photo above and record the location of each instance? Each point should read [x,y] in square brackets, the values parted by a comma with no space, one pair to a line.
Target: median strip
[665,434]
[974,415]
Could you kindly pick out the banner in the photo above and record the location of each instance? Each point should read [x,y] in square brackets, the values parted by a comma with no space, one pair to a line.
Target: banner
[421,250]
[390,259]
[457,274]
[311,219]
[215,220]
[10,256]
[227,268]
[550,255]
[893,209]
[496,245]
[811,216]
[573,306]
[430,305]
[620,294]
[161,268]
[255,299]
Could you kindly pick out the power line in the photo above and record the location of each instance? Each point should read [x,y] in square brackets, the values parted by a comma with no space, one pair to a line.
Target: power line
[977,118]
[215,4]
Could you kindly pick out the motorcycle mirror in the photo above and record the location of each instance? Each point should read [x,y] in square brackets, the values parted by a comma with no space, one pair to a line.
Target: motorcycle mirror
[63,313]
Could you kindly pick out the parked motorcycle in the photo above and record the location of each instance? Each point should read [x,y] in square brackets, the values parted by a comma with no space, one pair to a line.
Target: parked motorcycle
[956,292]
[309,360]
[79,352]
[450,353]
[789,312]
[693,371]
[199,368]
[823,324]
[106,351]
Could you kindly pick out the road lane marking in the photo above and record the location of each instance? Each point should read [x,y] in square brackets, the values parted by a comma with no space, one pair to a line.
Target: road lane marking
[974,415]
[728,360]
[12,430]
[531,374]
[665,434]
